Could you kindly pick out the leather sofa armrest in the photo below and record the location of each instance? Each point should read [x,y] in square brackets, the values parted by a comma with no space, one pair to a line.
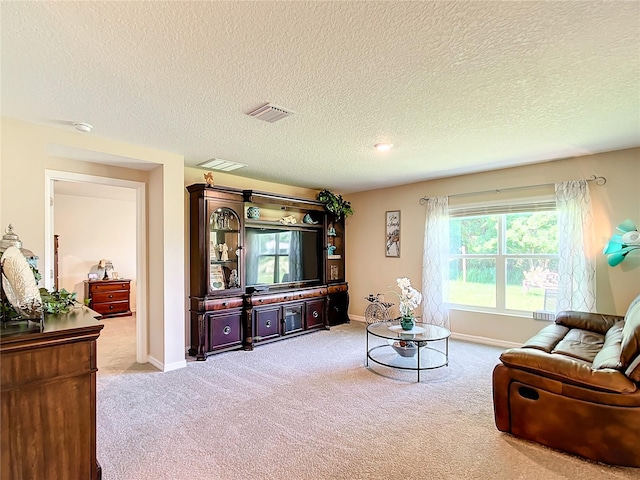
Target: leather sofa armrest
[594,322]
[567,370]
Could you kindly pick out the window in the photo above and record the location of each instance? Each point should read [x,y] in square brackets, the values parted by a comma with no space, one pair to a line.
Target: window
[273,257]
[504,258]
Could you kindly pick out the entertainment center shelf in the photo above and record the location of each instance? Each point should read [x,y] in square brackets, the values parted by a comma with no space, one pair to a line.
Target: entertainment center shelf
[264,267]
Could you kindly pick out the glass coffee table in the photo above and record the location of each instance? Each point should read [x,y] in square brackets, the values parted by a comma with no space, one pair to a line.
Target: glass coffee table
[424,347]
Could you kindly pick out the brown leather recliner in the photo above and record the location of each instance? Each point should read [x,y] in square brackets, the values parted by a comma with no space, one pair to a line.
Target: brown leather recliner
[575,386]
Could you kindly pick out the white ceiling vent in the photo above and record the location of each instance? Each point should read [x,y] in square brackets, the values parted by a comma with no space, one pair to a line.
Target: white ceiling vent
[223,165]
[270,113]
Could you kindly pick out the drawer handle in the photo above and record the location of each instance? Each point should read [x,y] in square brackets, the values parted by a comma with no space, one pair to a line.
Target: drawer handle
[226,330]
[110,307]
[224,304]
[315,314]
[110,296]
[260,300]
[268,324]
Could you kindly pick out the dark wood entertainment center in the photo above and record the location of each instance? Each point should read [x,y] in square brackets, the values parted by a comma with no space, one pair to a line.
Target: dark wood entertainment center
[264,267]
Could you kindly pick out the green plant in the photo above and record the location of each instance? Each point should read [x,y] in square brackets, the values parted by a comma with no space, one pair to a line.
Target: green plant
[57,301]
[335,204]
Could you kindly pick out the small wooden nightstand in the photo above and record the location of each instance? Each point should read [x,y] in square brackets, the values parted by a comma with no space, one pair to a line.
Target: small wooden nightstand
[110,298]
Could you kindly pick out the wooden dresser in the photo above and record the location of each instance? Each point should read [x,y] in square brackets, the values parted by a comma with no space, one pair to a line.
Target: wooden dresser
[48,400]
[110,298]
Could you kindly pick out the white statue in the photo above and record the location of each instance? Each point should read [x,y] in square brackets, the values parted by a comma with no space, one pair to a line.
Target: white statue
[214,251]
[224,252]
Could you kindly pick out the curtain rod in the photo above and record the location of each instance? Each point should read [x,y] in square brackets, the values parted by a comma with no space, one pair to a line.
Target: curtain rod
[597,180]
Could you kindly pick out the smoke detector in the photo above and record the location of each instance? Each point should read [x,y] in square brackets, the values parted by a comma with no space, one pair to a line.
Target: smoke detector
[83,127]
[223,165]
[270,113]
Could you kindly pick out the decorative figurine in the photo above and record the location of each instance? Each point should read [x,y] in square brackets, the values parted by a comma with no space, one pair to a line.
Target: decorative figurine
[214,251]
[331,249]
[307,219]
[224,252]
[332,232]
[233,279]
[208,177]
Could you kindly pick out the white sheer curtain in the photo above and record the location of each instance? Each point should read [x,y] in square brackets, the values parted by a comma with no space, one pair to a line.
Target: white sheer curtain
[435,263]
[576,266]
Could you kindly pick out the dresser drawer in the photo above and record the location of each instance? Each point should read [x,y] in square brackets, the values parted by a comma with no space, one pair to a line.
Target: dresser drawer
[108,287]
[110,308]
[110,297]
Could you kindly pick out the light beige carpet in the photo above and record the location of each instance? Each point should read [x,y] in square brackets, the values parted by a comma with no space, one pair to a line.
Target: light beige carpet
[308,408]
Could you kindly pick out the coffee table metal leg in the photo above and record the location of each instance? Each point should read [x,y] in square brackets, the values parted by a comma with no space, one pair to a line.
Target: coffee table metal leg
[366,360]
[418,346]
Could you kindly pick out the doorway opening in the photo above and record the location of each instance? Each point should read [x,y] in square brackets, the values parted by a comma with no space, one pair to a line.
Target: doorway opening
[109,187]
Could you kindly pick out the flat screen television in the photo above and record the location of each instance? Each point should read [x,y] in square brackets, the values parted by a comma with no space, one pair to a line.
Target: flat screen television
[279,256]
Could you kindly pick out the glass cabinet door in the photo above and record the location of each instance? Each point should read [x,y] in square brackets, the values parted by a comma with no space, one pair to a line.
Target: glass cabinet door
[224,250]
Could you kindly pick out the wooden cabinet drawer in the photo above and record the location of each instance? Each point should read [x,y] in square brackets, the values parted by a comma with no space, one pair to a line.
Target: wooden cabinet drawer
[225,330]
[110,308]
[315,313]
[98,287]
[267,322]
[110,297]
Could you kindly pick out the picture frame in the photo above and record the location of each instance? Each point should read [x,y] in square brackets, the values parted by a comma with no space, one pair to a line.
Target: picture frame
[92,277]
[392,233]
[216,275]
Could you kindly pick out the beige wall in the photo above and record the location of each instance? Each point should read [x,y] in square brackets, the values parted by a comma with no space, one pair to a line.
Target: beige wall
[369,271]
[24,159]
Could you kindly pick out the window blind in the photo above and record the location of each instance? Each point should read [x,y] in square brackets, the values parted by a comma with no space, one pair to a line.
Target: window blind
[498,209]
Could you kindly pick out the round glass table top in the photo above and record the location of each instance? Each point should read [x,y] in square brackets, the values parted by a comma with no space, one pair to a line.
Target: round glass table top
[420,332]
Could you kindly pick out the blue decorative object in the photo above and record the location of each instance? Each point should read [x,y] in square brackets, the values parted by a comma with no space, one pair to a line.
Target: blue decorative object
[253,213]
[332,232]
[307,219]
[407,323]
[331,249]
[621,245]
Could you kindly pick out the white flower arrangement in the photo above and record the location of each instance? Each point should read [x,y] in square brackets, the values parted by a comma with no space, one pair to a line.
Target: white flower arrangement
[409,297]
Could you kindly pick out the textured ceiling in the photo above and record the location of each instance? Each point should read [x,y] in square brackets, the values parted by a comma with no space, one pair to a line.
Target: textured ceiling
[456,86]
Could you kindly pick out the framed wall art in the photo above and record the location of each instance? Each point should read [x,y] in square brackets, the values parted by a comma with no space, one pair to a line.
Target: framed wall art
[392,231]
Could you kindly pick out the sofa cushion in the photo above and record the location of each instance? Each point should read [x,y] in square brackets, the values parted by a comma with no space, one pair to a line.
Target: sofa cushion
[567,370]
[594,322]
[547,338]
[609,355]
[582,344]
[631,333]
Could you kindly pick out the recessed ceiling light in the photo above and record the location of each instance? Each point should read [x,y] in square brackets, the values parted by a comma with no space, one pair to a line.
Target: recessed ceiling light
[83,127]
[219,164]
[383,147]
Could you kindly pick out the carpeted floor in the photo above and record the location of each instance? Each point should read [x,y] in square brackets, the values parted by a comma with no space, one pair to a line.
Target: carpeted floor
[308,408]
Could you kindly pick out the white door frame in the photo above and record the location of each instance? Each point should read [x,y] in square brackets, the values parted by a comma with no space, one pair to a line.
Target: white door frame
[141,237]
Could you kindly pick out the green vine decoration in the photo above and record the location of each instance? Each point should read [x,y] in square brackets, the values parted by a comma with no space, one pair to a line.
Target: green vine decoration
[57,301]
[335,204]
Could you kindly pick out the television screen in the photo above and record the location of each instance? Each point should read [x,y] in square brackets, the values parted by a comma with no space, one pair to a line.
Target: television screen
[275,256]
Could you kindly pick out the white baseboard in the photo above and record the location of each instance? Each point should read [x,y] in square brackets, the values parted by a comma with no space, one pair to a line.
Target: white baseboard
[463,336]
[484,340]
[168,367]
